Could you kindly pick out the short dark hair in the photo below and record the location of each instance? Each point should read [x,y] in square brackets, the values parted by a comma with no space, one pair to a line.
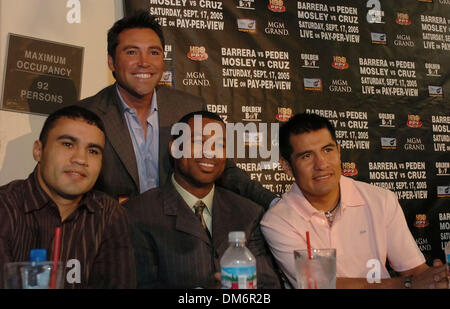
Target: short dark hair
[71,112]
[140,19]
[302,123]
[204,114]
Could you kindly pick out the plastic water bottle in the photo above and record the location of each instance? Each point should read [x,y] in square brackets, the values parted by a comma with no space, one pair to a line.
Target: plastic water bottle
[36,276]
[38,255]
[238,265]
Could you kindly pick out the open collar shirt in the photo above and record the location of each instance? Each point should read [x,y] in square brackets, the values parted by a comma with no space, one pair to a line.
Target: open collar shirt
[146,148]
[191,199]
[369,228]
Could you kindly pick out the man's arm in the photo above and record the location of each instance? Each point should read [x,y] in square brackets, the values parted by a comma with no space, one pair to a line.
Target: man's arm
[238,181]
[267,276]
[114,266]
[283,239]
[404,256]
[423,277]
[146,259]
[5,230]
[145,249]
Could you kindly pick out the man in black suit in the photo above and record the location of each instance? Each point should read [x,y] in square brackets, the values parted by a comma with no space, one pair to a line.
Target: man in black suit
[180,230]
[138,116]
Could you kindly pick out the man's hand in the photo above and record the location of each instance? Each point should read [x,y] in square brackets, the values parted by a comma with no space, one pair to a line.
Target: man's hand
[434,277]
[123,198]
[216,282]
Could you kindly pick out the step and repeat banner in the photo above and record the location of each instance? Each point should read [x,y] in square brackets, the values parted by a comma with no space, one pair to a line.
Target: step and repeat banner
[379,70]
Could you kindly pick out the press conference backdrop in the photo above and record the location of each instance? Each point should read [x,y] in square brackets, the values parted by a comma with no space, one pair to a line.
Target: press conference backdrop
[379,70]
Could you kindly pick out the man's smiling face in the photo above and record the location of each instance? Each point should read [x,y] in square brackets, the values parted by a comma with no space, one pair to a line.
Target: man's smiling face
[200,170]
[70,161]
[316,164]
[139,62]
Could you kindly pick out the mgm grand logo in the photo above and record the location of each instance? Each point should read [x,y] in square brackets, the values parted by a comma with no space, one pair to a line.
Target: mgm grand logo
[195,79]
[414,143]
[340,85]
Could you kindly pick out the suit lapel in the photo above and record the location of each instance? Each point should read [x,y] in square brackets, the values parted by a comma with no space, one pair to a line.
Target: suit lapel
[166,119]
[185,220]
[166,112]
[118,134]
[220,221]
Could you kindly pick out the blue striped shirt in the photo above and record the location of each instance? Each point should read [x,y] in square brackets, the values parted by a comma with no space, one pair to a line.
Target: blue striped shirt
[146,148]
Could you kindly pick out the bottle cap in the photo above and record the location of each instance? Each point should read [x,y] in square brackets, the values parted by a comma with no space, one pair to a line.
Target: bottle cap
[236,236]
[38,255]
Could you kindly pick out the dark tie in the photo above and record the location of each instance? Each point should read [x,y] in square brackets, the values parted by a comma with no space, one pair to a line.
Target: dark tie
[199,207]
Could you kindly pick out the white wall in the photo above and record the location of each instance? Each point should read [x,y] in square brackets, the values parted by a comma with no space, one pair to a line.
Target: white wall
[46,19]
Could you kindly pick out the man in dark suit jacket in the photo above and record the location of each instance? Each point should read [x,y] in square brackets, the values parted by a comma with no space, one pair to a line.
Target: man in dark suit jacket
[135,56]
[172,241]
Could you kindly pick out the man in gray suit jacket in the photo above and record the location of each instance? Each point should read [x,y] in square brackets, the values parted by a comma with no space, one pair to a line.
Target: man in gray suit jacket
[138,116]
[180,231]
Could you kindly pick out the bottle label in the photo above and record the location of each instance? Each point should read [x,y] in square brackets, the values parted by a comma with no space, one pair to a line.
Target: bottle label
[35,277]
[239,277]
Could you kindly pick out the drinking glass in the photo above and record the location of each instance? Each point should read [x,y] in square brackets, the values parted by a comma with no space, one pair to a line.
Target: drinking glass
[316,270]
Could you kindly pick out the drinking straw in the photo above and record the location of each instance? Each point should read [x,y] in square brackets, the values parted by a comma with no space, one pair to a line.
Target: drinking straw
[308,244]
[55,256]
